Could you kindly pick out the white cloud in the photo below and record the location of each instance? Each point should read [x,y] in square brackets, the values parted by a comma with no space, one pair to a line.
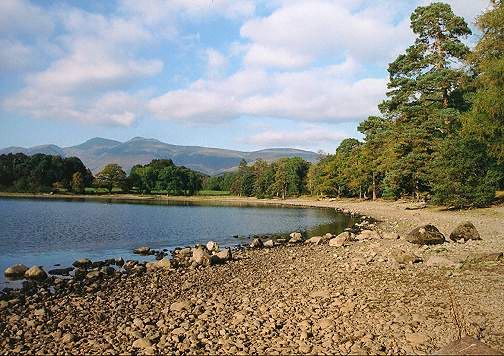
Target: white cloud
[97,57]
[216,63]
[14,55]
[261,56]
[304,137]
[21,17]
[303,31]
[112,109]
[159,11]
[469,9]
[323,94]
[92,65]
[306,60]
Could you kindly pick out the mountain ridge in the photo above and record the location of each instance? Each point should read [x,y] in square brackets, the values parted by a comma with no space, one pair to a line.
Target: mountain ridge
[96,152]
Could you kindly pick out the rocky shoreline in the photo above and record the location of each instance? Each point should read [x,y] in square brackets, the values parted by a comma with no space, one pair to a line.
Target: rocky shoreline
[367,290]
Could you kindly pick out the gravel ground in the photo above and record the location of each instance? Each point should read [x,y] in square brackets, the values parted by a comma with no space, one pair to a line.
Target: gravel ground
[308,299]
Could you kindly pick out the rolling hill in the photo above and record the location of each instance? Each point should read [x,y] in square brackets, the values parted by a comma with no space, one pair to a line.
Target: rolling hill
[97,152]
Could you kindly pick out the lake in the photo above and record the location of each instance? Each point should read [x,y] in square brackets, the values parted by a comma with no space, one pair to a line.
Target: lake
[49,232]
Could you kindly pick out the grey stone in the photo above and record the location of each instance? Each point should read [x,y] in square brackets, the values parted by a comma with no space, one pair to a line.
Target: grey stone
[225,255]
[270,243]
[341,239]
[425,235]
[465,231]
[200,256]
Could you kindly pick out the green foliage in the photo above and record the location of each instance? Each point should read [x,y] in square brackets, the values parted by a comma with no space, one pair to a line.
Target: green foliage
[463,174]
[283,178]
[77,183]
[111,176]
[485,121]
[414,148]
[163,175]
[40,172]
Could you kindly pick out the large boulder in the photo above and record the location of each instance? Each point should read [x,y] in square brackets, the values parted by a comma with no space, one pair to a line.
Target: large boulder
[61,271]
[200,256]
[465,231]
[15,271]
[426,235]
[314,240]
[341,239]
[94,275]
[269,243]
[35,272]
[82,263]
[467,346]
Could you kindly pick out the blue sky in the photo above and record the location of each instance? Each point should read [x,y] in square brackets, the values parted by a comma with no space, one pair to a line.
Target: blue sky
[236,74]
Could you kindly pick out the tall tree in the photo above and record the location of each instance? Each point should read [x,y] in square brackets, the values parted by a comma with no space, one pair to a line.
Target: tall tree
[425,96]
[111,176]
[485,121]
[77,183]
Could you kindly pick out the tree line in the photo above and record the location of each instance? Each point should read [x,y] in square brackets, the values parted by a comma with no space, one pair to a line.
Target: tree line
[42,173]
[282,178]
[46,173]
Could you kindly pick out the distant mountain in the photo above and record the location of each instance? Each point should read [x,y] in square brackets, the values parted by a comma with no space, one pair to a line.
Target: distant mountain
[97,152]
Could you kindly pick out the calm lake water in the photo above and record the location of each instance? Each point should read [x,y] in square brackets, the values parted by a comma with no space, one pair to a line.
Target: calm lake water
[49,232]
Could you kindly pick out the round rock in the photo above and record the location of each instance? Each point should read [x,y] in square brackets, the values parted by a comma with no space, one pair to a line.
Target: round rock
[16,271]
[465,231]
[35,272]
[426,235]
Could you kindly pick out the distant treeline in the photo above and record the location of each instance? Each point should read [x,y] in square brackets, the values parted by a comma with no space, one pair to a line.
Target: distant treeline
[163,175]
[42,173]
[45,173]
[282,178]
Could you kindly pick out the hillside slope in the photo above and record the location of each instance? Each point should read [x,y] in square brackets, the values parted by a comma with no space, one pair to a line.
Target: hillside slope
[97,152]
